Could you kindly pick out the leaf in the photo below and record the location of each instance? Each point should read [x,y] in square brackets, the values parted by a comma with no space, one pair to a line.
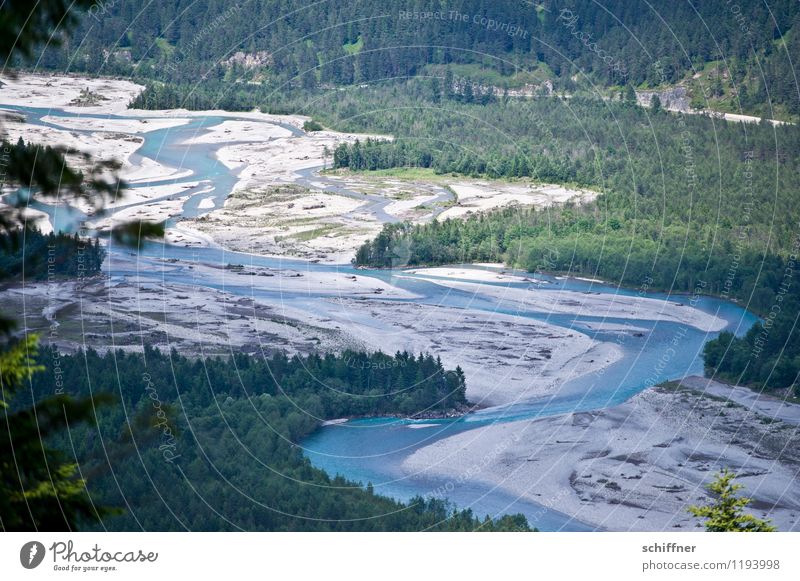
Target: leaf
[135,233]
[25,25]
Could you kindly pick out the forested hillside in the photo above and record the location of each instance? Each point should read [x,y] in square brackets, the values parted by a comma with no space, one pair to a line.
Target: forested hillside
[263,46]
[211,444]
[674,187]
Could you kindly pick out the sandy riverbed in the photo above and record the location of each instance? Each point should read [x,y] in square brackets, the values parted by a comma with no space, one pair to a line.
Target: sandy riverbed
[102,138]
[288,221]
[636,466]
[506,358]
[110,96]
[590,304]
[126,311]
[481,196]
[471,274]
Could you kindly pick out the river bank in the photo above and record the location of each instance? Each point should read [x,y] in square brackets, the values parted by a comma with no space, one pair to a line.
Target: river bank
[448,414]
[635,466]
[587,303]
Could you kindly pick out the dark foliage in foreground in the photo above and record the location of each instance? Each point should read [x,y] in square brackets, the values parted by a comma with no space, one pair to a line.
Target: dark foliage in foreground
[39,488]
[35,256]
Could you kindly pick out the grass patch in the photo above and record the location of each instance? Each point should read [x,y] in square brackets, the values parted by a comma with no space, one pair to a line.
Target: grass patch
[298,221]
[307,235]
[490,77]
[407,173]
[311,126]
[402,195]
[164,46]
[354,47]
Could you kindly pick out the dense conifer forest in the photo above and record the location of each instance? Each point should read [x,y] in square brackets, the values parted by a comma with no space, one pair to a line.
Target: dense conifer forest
[320,44]
[167,452]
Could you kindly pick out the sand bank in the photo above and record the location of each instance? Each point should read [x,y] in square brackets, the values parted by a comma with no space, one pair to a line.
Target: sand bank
[150,204]
[125,313]
[59,91]
[133,125]
[506,358]
[278,160]
[297,283]
[481,196]
[591,304]
[471,274]
[237,130]
[606,327]
[636,466]
[102,144]
[36,219]
[289,221]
